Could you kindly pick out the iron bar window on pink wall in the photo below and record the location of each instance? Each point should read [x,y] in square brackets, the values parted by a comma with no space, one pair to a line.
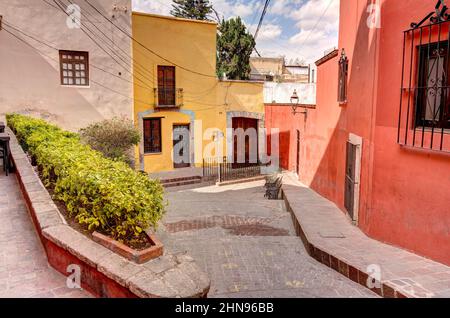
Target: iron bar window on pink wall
[343,78]
[424,113]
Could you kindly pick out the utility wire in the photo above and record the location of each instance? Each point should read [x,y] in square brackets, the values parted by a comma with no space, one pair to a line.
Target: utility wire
[317,23]
[51,46]
[145,47]
[136,63]
[261,19]
[128,67]
[93,81]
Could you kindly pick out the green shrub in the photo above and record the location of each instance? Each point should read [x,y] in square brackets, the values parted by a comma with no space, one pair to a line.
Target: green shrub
[100,193]
[114,138]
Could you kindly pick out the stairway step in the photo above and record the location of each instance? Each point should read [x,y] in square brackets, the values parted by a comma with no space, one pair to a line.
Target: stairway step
[174,180]
[181,183]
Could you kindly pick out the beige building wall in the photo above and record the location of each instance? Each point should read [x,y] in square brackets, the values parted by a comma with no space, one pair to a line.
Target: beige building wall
[265,66]
[30,76]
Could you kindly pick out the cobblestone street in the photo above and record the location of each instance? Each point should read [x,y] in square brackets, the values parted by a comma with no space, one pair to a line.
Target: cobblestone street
[24,271]
[248,245]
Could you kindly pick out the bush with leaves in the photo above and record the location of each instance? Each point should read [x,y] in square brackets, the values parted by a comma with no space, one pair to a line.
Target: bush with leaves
[114,138]
[99,193]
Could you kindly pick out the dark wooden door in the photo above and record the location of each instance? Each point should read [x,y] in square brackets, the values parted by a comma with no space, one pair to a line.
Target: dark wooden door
[297,167]
[181,146]
[166,86]
[350,182]
[245,124]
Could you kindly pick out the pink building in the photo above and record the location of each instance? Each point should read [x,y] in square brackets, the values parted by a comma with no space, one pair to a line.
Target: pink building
[380,147]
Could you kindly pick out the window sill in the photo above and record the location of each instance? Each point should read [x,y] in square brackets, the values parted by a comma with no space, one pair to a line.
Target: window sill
[153,154]
[76,86]
[436,130]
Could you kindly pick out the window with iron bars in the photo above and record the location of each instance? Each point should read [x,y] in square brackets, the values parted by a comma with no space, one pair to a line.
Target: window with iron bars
[342,79]
[424,114]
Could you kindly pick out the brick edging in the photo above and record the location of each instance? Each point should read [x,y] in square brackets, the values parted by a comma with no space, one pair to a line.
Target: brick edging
[339,265]
[103,272]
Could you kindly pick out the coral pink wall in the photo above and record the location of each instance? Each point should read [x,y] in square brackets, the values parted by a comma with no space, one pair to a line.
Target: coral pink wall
[405,194]
[411,188]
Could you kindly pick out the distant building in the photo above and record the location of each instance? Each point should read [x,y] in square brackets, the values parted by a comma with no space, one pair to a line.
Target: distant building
[266,68]
[270,69]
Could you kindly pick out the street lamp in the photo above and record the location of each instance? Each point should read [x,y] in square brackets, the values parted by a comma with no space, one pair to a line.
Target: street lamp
[295,101]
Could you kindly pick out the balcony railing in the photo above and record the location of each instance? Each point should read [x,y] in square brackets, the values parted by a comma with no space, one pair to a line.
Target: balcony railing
[168,97]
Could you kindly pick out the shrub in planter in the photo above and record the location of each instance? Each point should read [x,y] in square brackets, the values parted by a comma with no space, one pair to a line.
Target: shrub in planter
[114,138]
[102,194]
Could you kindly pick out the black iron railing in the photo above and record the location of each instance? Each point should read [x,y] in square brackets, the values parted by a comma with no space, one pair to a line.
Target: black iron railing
[424,113]
[229,171]
[168,97]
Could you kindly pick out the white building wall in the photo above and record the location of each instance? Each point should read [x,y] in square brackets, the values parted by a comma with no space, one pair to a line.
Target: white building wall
[30,77]
[281,93]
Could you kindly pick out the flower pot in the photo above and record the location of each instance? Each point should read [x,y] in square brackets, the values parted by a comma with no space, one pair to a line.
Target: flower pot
[139,257]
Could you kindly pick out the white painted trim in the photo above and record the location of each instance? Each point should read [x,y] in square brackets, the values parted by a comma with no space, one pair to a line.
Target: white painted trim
[358,142]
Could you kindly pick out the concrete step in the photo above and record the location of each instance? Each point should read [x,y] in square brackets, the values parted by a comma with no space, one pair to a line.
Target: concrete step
[183,179]
[180,183]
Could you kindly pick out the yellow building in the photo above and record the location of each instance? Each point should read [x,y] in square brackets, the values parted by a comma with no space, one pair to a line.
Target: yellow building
[178,99]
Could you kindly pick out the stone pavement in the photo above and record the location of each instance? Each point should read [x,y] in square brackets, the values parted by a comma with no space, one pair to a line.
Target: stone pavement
[333,240]
[248,245]
[24,271]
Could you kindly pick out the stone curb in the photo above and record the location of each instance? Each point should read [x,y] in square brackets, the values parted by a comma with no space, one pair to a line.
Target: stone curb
[171,276]
[339,264]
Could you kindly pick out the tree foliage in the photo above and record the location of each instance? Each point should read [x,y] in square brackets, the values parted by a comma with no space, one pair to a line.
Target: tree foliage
[192,9]
[234,47]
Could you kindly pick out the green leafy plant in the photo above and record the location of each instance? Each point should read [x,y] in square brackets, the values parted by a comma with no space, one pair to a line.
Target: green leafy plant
[99,193]
[114,138]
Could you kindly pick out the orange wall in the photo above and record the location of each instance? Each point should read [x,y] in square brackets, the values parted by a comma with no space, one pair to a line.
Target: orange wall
[405,194]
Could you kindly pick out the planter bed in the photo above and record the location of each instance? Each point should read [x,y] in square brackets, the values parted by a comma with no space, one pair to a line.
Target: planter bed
[103,272]
[137,256]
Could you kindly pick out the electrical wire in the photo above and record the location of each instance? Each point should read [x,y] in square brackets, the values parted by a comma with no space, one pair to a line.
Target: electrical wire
[128,67]
[145,47]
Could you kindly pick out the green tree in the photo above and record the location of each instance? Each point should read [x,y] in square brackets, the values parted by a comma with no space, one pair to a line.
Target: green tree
[234,47]
[192,9]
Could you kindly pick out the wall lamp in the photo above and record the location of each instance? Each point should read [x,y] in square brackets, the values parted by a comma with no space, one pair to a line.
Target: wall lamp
[295,101]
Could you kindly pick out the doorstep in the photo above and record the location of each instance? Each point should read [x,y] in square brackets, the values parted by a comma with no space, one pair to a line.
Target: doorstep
[330,238]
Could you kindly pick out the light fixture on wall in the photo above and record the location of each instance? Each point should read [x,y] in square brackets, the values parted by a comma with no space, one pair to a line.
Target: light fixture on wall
[295,101]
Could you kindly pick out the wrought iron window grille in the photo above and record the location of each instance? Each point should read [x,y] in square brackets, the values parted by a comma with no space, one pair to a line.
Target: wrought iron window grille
[424,112]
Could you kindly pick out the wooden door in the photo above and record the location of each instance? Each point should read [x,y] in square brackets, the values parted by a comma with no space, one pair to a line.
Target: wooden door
[166,86]
[245,124]
[181,146]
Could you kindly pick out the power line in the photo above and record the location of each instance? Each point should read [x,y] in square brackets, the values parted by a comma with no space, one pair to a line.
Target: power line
[145,47]
[261,19]
[57,49]
[136,63]
[317,23]
[128,67]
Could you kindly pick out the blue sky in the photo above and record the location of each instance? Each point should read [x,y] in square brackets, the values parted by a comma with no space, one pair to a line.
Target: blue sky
[302,29]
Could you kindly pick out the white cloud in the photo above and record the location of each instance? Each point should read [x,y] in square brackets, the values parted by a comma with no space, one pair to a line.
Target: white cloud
[318,23]
[153,6]
[291,27]
[267,31]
